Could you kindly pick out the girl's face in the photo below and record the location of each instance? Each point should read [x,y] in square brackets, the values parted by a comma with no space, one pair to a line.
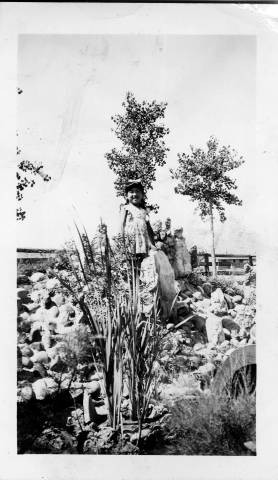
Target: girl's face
[135,196]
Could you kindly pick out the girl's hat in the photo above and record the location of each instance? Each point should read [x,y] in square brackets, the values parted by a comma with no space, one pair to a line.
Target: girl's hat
[134,183]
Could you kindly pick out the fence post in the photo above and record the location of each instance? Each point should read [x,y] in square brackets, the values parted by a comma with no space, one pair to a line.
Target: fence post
[206,257]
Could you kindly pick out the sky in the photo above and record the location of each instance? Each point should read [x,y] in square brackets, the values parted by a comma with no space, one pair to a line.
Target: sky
[73,84]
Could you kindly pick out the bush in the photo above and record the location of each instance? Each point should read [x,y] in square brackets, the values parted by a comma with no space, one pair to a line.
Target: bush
[212,425]
[28,267]
[225,283]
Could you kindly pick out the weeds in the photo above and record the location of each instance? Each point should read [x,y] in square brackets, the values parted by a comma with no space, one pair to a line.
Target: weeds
[212,425]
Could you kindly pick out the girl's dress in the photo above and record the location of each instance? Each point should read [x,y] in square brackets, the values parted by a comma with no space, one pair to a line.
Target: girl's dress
[136,230]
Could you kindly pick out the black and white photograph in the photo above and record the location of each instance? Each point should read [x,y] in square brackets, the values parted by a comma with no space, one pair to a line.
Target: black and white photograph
[138,201]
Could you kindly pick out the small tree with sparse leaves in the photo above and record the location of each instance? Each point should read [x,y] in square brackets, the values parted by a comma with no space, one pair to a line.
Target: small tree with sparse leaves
[26,171]
[202,176]
[143,148]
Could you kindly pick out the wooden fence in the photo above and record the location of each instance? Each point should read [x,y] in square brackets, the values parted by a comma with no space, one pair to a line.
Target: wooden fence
[226,264]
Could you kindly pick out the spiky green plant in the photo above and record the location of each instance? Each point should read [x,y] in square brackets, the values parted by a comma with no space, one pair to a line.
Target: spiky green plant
[126,339]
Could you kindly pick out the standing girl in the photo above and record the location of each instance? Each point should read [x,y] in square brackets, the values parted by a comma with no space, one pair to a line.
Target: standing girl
[135,225]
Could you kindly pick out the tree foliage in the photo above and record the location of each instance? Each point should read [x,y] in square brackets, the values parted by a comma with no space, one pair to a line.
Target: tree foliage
[142,138]
[202,176]
[26,171]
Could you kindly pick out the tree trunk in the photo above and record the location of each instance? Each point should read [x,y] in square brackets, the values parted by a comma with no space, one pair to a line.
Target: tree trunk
[213,261]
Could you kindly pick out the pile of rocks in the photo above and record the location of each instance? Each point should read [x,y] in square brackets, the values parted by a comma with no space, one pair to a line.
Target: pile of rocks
[212,322]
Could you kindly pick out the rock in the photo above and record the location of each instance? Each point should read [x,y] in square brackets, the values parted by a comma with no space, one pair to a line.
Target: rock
[227,332]
[26,393]
[22,280]
[101,410]
[201,290]
[145,433]
[207,369]
[65,380]
[204,305]
[58,365]
[23,295]
[197,296]
[182,308]
[37,346]
[199,323]
[90,414]
[40,389]
[52,283]
[237,299]
[198,346]
[38,367]
[239,309]
[27,351]
[40,357]
[170,326]
[218,297]
[230,324]
[253,333]
[93,387]
[37,277]
[207,288]
[26,362]
[229,301]
[32,307]
[250,446]
[52,386]
[95,376]
[230,291]
[214,329]
[54,440]
[25,317]
[195,361]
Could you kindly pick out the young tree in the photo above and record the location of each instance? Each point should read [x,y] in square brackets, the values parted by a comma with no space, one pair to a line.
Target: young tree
[202,176]
[143,147]
[26,171]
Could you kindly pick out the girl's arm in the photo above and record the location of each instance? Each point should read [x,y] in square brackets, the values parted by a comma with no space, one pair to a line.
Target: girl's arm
[123,214]
[150,233]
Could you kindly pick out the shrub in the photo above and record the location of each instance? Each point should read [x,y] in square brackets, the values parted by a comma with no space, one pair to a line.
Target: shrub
[212,425]
[225,283]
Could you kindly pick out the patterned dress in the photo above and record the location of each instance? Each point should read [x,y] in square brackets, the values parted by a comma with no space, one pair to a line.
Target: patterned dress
[136,229]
